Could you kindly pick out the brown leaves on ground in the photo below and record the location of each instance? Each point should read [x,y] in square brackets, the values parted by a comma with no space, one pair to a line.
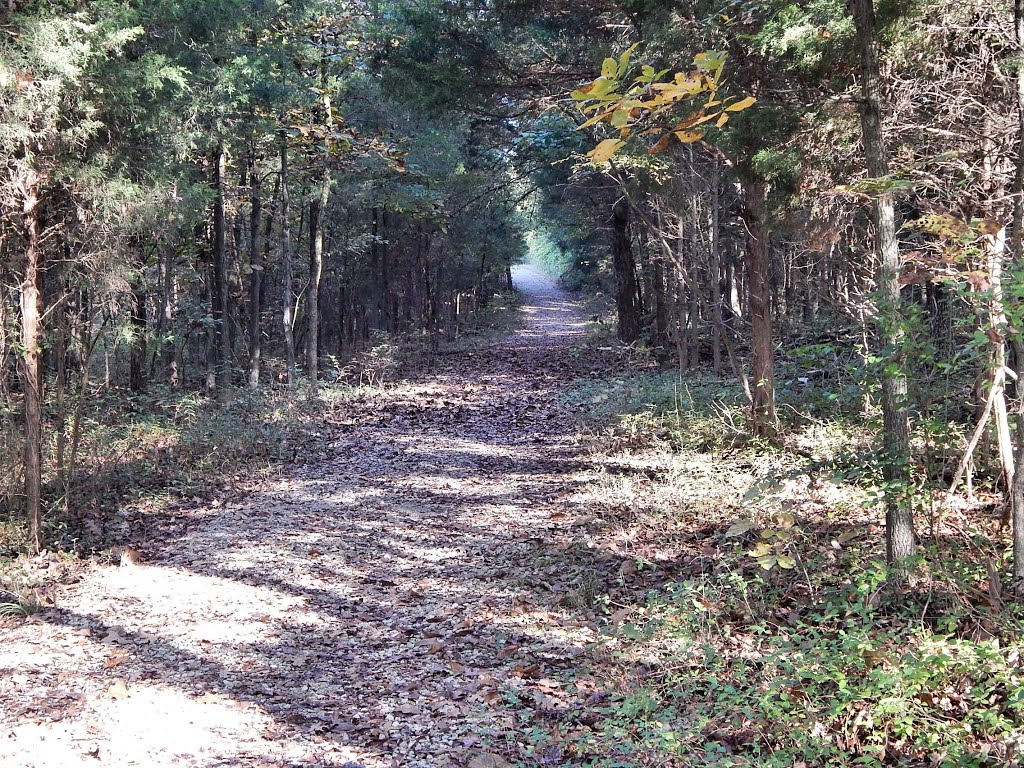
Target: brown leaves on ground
[379,604]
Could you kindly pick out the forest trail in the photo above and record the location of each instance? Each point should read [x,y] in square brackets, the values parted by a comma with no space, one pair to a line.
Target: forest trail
[373,607]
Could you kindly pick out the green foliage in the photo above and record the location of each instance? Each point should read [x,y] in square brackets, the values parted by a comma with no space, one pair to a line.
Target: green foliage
[547,252]
[643,408]
[809,665]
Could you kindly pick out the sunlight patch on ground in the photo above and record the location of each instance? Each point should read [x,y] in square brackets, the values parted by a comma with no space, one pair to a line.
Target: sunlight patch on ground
[139,724]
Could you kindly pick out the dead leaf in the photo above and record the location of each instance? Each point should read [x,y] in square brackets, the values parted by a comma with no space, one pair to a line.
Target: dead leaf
[619,616]
[114,636]
[116,659]
[117,691]
[489,760]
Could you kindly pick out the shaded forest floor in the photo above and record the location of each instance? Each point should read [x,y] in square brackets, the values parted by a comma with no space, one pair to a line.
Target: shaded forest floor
[371,605]
[513,558]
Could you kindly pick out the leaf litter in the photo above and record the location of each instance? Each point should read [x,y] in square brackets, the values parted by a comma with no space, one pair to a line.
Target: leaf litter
[405,596]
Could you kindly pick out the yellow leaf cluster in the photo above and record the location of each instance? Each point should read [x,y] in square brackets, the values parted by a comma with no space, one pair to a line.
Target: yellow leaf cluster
[626,105]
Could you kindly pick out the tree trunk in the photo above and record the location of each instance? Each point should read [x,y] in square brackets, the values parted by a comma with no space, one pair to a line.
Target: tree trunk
[715,267]
[317,208]
[172,348]
[288,298]
[222,325]
[1017,495]
[31,334]
[137,363]
[763,419]
[627,298]
[900,540]
[256,272]
[695,288]
[317,211]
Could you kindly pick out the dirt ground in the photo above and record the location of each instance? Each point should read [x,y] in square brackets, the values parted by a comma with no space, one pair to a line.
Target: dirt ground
[372,606]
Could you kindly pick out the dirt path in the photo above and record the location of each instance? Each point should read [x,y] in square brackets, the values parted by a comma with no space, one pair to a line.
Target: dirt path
[377,606]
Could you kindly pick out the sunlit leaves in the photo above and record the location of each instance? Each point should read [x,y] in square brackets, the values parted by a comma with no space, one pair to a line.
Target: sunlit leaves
[603,152]
[651,98]
[742,104]
[771,549]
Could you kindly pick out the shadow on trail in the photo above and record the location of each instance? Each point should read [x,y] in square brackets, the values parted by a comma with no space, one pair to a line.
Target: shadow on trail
[386,595]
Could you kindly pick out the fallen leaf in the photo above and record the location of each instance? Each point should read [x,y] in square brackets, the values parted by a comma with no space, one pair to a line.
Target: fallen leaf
[489,760]
[119,690]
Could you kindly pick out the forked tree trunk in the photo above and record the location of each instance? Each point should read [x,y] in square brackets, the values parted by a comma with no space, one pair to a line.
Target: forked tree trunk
[900,540]
[31,334]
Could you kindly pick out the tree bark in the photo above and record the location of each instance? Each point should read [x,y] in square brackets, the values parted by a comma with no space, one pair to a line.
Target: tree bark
[288,298]
[715,268]
[900,539]
[222,325]
[627,297]
[316,268]
[137,370]
[137,363]
[255,271]
[1017,487]
[763,419]
[31,334]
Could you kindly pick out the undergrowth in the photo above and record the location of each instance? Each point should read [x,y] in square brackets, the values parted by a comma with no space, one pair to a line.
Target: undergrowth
[771,636]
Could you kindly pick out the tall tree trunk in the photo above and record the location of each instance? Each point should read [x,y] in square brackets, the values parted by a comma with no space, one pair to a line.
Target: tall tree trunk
[715,268]
[627,295]
[763,418]
[256,271]
[222,324]
[695,287]
[31,334]
[316,255]
[1017,488]
[137,362]
[288,298]
[900,540]
[317,208]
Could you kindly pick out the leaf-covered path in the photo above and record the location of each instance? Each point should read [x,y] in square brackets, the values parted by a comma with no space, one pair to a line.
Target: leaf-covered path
[375,606]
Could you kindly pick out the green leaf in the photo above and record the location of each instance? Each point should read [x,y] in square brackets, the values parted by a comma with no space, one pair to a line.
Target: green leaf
[647,74]
[624,59]
[710,60]
[620,118]
[739,528]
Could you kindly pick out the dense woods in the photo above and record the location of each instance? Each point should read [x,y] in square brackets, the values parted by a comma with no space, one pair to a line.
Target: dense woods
[810,211]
